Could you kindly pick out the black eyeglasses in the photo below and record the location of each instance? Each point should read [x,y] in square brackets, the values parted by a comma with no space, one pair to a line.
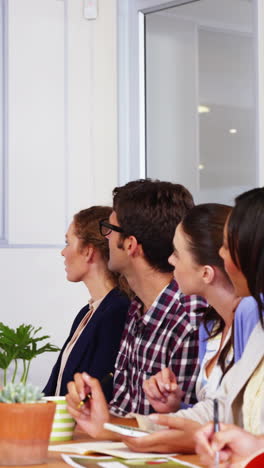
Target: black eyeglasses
[106,228]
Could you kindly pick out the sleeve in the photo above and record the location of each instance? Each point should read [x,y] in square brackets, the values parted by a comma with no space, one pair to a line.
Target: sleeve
[106,344]
[231,385]
[203,412]
[185,359]
[246,318]
[230,388]
[184,362]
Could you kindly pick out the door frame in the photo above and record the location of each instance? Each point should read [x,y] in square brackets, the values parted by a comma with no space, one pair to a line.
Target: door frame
[131,84]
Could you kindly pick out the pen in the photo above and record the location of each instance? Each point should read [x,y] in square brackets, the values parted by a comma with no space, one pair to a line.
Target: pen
[104,381]
[216,429]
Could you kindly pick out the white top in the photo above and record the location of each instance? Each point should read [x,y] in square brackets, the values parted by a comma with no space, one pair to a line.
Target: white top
[207,385]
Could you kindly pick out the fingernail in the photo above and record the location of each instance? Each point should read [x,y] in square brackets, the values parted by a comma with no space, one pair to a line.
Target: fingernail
[167,386]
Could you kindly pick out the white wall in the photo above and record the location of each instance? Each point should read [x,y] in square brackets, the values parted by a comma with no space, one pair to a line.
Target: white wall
[62,154]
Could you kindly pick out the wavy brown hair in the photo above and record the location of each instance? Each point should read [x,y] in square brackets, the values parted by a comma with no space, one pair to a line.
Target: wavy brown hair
[86,228]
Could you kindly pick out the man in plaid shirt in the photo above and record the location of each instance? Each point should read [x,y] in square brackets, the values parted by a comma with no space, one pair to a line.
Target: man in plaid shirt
[164,336]
[162,324]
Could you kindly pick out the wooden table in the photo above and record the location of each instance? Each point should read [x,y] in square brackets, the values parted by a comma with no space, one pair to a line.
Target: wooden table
[55,460]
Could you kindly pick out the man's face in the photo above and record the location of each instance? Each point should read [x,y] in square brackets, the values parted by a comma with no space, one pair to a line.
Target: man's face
[117,256]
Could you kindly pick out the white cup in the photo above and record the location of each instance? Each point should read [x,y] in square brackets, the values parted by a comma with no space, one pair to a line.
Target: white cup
[63,423]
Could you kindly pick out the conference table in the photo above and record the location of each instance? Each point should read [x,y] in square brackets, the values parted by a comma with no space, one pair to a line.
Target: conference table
[55,460]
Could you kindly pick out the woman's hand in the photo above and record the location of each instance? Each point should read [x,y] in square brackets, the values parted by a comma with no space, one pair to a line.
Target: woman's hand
[179,437]
[231,442]
[162,391]
[94,413]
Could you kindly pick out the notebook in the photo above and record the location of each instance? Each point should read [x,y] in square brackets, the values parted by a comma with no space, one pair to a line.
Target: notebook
[115,449]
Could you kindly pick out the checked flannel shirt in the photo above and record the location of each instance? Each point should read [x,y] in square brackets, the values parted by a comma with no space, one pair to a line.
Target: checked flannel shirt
[165,336]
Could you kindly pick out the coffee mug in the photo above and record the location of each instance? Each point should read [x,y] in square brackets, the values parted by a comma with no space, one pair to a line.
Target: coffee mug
[63,423]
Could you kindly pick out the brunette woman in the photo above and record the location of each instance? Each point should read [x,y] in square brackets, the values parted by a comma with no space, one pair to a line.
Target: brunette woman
[243,254]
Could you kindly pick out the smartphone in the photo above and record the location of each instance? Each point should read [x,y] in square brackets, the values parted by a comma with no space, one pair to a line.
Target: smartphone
[126,430]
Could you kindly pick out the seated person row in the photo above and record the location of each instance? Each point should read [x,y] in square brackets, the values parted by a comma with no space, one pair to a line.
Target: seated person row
[93,422]
[240,395]
[245,262]
[199,268]
[162,324]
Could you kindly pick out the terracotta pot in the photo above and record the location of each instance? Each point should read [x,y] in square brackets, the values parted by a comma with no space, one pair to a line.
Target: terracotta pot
[24,432]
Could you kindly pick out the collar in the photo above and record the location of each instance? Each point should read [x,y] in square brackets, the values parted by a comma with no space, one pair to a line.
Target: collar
[159,305]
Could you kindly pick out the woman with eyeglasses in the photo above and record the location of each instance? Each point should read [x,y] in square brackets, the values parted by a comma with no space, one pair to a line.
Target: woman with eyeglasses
[94,338]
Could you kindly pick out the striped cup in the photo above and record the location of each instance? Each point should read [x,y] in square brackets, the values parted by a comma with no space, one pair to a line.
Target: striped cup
[63,423]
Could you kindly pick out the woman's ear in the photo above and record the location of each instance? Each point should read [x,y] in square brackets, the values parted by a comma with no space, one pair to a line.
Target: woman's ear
[208,274]
[88,252]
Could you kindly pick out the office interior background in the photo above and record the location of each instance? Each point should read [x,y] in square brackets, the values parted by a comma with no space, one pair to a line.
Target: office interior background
[165,89]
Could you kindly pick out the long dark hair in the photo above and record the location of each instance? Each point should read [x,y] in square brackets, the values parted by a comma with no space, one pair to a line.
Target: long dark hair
[245,236]
[203,226]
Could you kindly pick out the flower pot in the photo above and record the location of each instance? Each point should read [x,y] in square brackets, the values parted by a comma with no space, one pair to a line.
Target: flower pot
[24,432]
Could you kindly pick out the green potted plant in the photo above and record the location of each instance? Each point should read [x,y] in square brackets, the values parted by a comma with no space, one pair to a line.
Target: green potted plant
[26,419]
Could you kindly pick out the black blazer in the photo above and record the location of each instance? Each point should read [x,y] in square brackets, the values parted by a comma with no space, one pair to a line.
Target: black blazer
[96,349]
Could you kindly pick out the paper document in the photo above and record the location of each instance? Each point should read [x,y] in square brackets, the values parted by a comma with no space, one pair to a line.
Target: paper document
[78,461]
[115,449]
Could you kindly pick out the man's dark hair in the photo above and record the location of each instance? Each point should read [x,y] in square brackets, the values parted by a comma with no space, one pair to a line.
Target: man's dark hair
[150,210]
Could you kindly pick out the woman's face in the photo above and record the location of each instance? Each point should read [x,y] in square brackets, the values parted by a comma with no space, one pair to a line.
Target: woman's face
[235,274]
[187,272]
[75,258]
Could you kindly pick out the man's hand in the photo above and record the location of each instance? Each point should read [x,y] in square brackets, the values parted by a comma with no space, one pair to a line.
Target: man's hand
[94,413]
[179,437]
[162,391]
[231,442]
